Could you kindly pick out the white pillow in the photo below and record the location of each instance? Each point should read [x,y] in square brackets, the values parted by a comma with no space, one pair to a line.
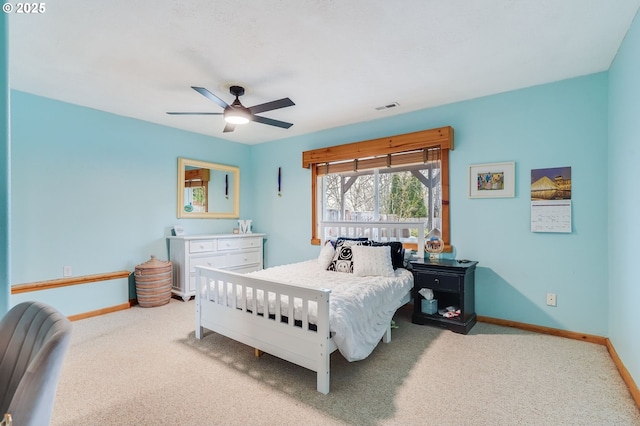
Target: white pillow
[368,260]
[326,255]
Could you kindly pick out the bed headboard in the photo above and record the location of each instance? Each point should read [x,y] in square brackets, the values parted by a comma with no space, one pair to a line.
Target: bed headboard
[376,231]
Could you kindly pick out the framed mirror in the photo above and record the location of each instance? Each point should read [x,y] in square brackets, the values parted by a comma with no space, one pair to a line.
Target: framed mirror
[208,190]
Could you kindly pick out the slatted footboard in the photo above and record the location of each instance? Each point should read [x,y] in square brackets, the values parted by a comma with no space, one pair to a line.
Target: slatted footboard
[225,304]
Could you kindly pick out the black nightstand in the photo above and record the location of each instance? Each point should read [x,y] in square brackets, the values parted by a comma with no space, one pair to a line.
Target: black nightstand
[452,283]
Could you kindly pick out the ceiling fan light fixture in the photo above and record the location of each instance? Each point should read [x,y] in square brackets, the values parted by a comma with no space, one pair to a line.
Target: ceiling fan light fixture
[236,116]
[236,119]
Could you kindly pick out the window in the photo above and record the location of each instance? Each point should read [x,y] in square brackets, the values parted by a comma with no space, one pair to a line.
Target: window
[404,177]
[401,193]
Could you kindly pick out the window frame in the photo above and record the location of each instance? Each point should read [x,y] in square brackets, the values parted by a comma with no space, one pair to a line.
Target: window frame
[381,151]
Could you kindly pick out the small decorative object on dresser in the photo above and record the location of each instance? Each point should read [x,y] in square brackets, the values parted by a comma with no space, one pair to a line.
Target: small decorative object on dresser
[234,252]
[453,287]
[245,226]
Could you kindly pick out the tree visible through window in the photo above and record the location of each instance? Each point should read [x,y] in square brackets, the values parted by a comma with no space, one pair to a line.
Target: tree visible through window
[406,197]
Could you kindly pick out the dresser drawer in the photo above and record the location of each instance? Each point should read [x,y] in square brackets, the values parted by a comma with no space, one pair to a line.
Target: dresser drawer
[238,243]
[200,246]
[437,281]
[209,261]
[224,261]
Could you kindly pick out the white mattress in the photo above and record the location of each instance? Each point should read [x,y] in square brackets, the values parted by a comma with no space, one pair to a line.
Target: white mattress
[361,308]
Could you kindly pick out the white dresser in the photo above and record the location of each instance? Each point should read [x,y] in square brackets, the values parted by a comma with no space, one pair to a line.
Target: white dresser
[235,252]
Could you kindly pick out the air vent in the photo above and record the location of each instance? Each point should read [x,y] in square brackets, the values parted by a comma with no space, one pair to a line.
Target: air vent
[392,105]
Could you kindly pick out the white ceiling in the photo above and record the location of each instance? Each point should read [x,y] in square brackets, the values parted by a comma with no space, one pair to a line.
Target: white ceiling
[337,60]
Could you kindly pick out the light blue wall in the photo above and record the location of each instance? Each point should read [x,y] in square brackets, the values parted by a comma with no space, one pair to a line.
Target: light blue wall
[5,271]
[97,191]
[559,124]
[624,201]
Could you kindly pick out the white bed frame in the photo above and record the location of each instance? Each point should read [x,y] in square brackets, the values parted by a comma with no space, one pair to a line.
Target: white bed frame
[296,343]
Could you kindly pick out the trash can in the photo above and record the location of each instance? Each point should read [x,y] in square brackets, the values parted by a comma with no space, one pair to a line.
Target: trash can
[153,282]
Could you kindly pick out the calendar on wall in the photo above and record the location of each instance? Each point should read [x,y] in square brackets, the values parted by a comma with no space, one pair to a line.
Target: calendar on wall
[551,200]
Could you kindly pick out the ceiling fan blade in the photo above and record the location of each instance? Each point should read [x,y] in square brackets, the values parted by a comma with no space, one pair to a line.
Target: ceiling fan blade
[194,113]
[280,103]
[207,94]
[271,122]
[229,128]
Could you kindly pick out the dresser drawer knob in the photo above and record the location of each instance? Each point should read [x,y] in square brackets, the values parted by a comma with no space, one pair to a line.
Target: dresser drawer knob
[436,280]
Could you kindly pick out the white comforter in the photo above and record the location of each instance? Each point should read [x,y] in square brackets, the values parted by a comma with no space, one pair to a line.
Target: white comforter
[360,308]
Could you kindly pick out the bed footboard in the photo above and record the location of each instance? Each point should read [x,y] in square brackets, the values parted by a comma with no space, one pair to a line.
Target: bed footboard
[225,304]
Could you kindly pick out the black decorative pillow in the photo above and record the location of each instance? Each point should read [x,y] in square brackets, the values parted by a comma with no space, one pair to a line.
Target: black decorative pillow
[337,240]
[343,257]
[397,252]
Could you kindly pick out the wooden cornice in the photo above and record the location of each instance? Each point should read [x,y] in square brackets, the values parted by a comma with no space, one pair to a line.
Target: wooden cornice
[442,136]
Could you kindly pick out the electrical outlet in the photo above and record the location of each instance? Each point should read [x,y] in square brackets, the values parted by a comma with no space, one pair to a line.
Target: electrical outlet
[67,271]
[551,299]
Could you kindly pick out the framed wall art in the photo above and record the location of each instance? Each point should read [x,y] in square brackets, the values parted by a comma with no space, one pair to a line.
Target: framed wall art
[492,180]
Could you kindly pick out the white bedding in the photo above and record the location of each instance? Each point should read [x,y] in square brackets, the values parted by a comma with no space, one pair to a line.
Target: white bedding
[361,308]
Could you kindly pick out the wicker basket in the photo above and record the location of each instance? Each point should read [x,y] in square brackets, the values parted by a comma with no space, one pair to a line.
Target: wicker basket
[153,282]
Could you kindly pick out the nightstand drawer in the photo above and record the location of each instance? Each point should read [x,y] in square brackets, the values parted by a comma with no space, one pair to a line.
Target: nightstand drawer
[438,281]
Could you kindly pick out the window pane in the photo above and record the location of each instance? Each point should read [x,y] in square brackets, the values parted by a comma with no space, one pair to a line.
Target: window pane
[402,197]
[388,194]
[349,196]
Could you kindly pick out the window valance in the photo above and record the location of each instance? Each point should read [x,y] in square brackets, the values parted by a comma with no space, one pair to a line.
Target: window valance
[417,141]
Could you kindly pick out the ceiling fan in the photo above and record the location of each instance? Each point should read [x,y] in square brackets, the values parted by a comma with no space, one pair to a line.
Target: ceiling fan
[236,113]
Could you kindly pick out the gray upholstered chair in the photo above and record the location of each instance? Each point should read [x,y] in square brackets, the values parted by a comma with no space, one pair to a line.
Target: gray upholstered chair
[34,338]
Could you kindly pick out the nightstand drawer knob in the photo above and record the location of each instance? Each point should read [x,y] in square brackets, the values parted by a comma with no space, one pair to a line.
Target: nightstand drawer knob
[436,280]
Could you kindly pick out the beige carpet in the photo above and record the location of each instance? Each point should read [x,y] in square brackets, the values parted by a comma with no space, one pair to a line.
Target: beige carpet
[145,367]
